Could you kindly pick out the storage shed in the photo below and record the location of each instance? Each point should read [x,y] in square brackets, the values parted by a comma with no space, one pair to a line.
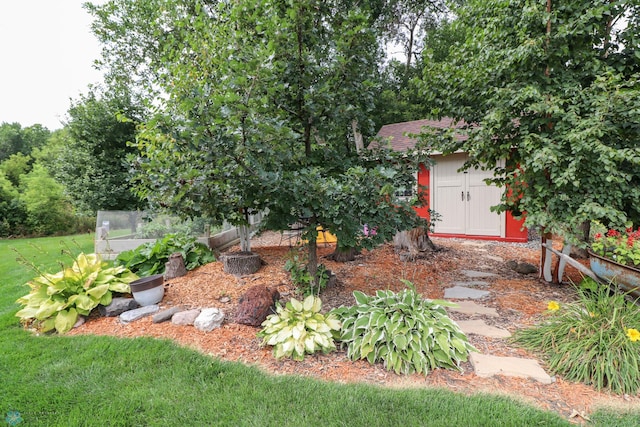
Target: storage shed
[462,199]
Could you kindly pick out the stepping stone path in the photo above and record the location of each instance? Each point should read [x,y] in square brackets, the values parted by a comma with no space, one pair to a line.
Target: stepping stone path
[488,365]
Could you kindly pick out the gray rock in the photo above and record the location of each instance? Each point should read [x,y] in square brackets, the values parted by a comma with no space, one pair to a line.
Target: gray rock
[81,320]
[185,318]
[522,267]
[209,319]
[118,306]
[138,313]
[165,315]
[526,268]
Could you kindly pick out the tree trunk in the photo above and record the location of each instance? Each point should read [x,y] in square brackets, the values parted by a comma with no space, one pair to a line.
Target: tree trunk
[245,238]
[343,254]
[312,263]
[357,136]
[175,266]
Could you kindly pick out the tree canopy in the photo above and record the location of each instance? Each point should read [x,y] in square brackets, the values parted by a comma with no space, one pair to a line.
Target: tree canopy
[553,90]
[261,103]
[88,156]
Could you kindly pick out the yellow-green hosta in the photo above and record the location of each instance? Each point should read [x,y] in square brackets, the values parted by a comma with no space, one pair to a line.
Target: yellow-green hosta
[56,300]
[299,328]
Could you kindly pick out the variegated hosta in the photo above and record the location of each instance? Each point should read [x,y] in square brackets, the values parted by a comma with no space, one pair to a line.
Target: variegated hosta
[405,332]
[56,300]
[299,328]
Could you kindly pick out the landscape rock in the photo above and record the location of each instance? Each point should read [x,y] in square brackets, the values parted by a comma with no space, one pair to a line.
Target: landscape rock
[138,313]
[522,267]
[256,304]
[118,306]
[209,319]
[185,318]
[166,315]
[81,320]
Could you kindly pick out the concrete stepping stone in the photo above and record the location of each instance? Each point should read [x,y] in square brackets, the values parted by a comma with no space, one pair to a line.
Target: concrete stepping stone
[488,366]
[479,327]
[473,274]
[474,283]
[461,292]
[470,307]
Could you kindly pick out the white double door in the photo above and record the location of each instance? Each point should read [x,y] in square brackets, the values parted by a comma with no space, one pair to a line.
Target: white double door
[463,199]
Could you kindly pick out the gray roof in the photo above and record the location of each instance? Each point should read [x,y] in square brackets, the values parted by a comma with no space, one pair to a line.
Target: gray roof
[398,132]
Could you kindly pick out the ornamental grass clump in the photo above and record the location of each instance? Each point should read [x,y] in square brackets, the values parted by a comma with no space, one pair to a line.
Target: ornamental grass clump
[299,328]
[403,331]
[594,340]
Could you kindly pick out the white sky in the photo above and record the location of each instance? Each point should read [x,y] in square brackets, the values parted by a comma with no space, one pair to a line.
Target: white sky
[46,58]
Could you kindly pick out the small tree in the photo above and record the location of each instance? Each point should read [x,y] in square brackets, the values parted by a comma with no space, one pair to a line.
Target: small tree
[261,101]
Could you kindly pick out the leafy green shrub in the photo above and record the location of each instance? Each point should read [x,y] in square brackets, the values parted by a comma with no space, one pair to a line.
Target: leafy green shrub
[594,340]
[150,258]
[303,280]
[299,328]
[163,225]
[56,300]
[405,332]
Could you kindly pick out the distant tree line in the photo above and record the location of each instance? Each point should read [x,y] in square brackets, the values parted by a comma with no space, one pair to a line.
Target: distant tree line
[54,182]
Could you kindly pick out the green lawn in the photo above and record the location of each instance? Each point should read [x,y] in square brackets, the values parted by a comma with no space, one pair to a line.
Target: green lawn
[104,381]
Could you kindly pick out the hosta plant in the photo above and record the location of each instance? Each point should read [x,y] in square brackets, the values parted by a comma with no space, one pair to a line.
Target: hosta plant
[403,331]
[56,300]
[299,328]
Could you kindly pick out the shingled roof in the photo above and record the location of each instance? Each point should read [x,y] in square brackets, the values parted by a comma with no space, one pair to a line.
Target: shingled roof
[397,132]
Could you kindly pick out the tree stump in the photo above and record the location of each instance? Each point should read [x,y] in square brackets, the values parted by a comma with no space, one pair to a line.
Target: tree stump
[175,266]
[241,263]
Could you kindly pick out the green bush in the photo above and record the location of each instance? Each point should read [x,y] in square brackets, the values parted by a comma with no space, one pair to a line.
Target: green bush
[594,340]
[299,328]
[303,280]
[404,331]
[150,258]
[56,300]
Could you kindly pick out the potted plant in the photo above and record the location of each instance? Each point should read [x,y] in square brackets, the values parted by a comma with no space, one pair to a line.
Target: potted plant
[615,257]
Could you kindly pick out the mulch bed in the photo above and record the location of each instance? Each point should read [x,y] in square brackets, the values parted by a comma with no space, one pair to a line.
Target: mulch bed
[520,301]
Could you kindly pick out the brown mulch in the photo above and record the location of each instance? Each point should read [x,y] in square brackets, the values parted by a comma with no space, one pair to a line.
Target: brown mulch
[520,301]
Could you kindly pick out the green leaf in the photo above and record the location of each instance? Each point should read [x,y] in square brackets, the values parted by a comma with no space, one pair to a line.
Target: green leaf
[65,320]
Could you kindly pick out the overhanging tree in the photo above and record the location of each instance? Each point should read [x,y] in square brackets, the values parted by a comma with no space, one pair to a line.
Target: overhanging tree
[260,102]
[551,88]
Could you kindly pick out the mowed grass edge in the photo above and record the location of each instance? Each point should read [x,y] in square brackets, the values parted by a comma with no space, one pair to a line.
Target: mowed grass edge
[103,381]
